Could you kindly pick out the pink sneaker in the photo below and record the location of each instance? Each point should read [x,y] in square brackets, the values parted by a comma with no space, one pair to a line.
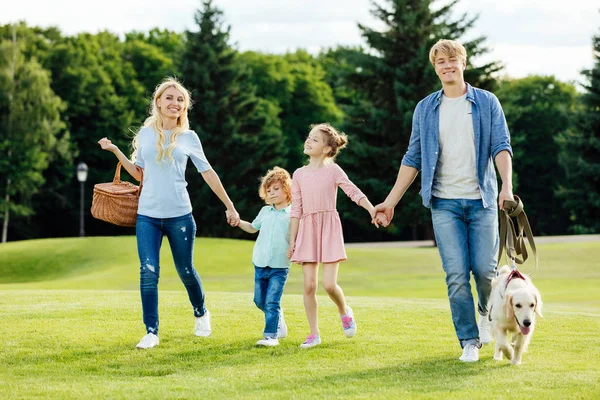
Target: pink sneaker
[349,324]
[311,341]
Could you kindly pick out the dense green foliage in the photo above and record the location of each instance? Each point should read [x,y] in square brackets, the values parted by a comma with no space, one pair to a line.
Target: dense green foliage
[252,112]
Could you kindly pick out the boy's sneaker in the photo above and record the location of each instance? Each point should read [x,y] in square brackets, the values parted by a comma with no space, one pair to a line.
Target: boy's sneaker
[281,327]
[148,341]
[202,327]
[311,341]
[348,323]
[485,326]
[470,353]
[268,341]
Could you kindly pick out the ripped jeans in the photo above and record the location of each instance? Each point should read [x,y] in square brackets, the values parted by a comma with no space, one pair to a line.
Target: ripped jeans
[181,232]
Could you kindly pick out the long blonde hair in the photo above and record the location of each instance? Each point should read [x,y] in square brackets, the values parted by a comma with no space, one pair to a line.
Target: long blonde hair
[155,121]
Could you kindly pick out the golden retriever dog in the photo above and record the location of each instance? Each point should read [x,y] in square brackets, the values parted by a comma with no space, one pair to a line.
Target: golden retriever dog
[514,304]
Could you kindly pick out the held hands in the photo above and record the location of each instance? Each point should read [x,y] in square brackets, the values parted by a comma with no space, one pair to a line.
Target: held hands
[505,194]
[107,145]
[290,250]
[233,218]
[384,213]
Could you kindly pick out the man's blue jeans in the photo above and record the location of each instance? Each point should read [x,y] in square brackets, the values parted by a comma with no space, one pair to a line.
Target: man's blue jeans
[467,239]
[268,288]
[181,232]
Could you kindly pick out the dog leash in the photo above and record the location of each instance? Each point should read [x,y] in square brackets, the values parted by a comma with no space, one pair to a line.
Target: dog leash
[515,244]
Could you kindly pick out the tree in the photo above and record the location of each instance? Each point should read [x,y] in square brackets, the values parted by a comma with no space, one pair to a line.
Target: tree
[30,130]
[386,80]
[538,110]
[103,98]
[295,84]
[154,55]
[580,156]
[239,132]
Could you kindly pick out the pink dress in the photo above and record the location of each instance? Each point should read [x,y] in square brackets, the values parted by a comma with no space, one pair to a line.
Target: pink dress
[314,194]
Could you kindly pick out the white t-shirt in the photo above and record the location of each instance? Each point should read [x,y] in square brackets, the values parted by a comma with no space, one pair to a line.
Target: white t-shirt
[456,171]
[164,194]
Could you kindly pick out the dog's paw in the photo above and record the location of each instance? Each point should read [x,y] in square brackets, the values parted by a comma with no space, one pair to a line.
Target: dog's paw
[498,357]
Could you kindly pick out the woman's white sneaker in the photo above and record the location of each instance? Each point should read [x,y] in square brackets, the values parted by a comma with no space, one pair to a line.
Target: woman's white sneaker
[202,327]
[148,341]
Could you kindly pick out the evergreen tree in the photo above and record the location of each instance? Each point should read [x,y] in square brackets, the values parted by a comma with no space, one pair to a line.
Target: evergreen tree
[581,156]
[240,132]
[387,81]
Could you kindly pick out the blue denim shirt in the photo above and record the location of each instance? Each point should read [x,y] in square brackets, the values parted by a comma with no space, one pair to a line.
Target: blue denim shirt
[491,137]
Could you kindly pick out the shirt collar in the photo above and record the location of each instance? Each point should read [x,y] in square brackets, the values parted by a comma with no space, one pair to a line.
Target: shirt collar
[470,95]
[287,209]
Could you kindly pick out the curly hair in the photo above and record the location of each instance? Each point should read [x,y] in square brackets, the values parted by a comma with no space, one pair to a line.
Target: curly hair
[276,175]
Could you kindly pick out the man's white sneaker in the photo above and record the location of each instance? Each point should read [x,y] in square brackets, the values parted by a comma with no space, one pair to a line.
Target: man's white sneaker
[470,353]
[268,341]
[148,341]
[485,329]
[202,327]
[281,327]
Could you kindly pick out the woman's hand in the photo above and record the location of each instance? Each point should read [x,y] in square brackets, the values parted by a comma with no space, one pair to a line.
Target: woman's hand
[233,218]
[107,145]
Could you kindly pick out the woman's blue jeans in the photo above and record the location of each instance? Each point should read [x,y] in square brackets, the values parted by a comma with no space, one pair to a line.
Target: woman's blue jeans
[181,233]
[467,240]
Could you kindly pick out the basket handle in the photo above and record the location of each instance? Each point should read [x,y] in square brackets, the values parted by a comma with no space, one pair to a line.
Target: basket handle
[117,177]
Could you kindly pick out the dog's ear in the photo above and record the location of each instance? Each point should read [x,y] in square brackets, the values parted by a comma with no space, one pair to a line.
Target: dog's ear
[538,304]
[508,306]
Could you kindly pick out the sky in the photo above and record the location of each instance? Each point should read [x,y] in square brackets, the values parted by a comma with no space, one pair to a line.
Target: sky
[543,37]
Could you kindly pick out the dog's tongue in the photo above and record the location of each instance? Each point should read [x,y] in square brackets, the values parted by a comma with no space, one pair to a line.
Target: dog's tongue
[524,330]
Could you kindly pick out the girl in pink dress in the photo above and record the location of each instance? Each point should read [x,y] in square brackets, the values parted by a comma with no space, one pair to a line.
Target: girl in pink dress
[315,228]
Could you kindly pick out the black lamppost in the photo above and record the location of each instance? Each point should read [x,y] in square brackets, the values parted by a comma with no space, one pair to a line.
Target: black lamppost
[82,171]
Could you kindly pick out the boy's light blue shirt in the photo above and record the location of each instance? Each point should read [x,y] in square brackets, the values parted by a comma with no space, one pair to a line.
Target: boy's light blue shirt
[491,137]
[273,237]
[164,194]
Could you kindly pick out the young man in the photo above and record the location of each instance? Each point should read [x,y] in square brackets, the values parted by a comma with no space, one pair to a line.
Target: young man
[457,134]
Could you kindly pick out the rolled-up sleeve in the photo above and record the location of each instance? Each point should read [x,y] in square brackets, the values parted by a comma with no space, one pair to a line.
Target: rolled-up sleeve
[296,197]
[351,190]
[412,158]
[500,136]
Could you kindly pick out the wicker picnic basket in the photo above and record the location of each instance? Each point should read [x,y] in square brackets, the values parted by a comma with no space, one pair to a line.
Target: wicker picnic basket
[116,202]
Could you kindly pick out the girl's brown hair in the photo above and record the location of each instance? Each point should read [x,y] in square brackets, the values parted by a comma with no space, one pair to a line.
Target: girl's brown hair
[334,139]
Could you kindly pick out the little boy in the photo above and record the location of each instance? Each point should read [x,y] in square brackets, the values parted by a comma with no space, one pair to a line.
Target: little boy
[271,265]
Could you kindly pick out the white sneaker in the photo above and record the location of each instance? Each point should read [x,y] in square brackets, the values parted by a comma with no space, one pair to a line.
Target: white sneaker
[281,327]
[148,341]
[311,341]
[470,353]
[349,323]
[202,327]
[485,327]
[268,341]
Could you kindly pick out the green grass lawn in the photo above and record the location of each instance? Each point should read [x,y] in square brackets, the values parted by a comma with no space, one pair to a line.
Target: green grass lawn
[71,316]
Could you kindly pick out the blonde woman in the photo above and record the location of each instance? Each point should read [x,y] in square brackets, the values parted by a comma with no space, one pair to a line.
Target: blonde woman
[161,149]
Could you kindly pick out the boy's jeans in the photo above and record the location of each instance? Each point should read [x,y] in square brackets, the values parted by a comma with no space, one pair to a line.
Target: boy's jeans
[467,239]
[181,232]
[268,288]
